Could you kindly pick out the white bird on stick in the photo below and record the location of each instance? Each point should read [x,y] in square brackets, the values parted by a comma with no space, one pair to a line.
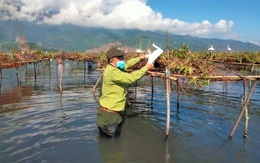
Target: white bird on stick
[228,48]
[154,55]
[211,48]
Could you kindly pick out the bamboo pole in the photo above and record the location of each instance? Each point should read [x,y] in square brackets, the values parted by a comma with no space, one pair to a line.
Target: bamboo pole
[242,111]
[252,69]
[1,78]
[60,82]
[152,92]
[50,71]
[26,69]
[84,65]
[211,55]
[246,112]
[167,78]
[60,69]
[236,63]
[221,77]
[175,77]
[168,105]
[160,75]
[50,60]
[84,70]
[34,67]
[178,95]
[18,76]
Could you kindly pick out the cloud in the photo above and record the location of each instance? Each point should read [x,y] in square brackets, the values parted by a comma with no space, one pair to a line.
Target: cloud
[113,14]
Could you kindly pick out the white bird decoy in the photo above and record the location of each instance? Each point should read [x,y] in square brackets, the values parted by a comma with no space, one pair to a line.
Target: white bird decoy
[154,55]
[228,48]
[211,48]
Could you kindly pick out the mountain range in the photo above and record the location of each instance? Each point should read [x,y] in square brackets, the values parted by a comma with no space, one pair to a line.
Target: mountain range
[76,38]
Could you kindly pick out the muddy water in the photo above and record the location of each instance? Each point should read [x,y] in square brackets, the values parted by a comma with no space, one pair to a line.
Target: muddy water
[38,123]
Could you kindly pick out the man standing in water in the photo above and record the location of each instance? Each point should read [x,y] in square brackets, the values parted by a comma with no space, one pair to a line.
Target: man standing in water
[113,98]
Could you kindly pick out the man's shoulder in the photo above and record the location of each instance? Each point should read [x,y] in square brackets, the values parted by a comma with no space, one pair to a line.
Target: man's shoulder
[111,70]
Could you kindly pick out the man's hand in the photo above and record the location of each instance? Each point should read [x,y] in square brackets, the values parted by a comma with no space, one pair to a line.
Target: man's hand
[149,66]
[142,56]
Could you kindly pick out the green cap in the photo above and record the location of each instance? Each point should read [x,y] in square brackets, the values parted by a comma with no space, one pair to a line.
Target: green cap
[115,52]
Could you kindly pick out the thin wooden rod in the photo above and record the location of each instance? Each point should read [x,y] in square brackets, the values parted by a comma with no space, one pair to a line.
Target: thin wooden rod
[242,111]
[94,88]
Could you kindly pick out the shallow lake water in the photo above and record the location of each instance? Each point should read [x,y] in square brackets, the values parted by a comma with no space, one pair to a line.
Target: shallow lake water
[38,123]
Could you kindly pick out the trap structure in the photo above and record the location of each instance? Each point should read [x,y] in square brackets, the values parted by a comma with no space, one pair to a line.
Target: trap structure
[165,71]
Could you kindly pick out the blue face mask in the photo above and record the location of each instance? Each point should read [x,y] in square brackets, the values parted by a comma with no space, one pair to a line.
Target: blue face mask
[120,64]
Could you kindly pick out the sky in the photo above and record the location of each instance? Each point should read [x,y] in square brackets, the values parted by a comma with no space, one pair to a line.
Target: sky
[223,19]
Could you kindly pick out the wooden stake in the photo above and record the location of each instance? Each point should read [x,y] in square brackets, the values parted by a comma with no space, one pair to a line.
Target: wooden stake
[178,95]
[242,111]
[152,92]
[60,81]
[26,69]
[1,78]
[253,66]
[18,76]
[246,111]
[84,69]
[167,77]
[50,70]
[211,55]
[168,105]
[60,69]
[34,67]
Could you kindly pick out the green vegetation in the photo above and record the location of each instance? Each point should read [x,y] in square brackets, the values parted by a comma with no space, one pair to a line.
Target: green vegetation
[195,65]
